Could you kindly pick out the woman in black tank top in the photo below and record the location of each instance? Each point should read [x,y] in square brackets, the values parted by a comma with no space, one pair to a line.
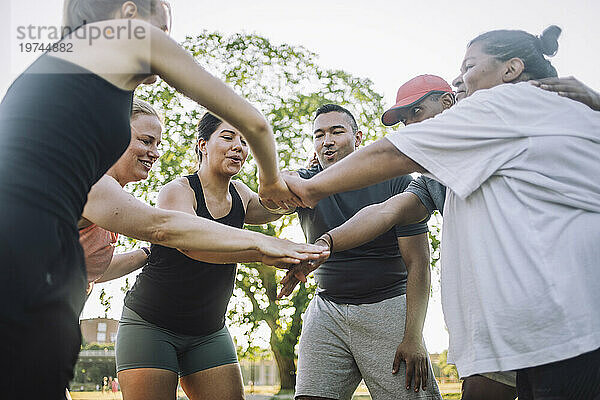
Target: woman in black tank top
[189,297]
[63,123]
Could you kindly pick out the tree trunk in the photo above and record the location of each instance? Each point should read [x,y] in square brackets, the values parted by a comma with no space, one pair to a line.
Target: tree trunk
[285,364]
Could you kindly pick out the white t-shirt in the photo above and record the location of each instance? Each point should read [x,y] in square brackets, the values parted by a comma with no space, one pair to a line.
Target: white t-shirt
[521,235]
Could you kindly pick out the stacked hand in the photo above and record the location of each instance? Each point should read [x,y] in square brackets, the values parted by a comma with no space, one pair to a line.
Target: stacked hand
[299,272]
[276,195]
[301,187]
[285,254]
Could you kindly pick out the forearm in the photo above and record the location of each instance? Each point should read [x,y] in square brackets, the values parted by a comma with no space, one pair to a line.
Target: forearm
[411,350]
[417,299]
[112,208]
[123,264]
[191,233]
[415,251]
[176,229]
[375,220]
[375,163]
[230,257]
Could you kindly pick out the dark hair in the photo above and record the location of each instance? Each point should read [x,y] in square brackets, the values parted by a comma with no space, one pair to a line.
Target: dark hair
[327,108]
[77,13]
[507,44]
[206,127]
[436,95]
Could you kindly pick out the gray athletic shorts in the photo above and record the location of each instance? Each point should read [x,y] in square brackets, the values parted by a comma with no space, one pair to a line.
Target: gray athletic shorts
[141,344]
[341,344]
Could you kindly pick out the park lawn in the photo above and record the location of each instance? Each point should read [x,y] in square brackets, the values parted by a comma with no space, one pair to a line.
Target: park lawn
[450,391]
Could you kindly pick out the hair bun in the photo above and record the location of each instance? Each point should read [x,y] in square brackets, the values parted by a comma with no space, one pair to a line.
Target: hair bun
[549,40]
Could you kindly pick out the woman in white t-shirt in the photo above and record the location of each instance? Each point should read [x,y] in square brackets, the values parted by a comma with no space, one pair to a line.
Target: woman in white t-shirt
[520,283]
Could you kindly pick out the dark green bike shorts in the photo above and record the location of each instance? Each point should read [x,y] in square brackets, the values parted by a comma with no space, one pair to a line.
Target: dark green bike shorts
[141,344]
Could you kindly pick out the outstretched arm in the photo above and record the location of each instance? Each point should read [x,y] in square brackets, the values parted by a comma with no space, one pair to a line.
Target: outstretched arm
[376,219]
[111,208]
[366,225]
[374,163]
[178,196]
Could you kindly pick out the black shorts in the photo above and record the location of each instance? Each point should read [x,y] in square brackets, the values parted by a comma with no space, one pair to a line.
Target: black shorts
[577,378]
[42,281]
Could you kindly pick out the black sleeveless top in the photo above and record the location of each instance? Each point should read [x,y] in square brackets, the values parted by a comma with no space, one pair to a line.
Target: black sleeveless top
[61,128]
[183,295]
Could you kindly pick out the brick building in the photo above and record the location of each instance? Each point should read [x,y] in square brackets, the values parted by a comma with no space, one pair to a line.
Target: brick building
[99,330]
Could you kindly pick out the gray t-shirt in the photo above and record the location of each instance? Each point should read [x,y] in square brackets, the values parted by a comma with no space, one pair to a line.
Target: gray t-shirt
[369,273]
[431,193]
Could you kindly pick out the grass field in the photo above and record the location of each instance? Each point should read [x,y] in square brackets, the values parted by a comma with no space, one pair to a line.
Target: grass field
[449,391]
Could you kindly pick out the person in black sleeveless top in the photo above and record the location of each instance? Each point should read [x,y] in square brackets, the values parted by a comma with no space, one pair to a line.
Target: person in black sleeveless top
[63,123]
[173,322]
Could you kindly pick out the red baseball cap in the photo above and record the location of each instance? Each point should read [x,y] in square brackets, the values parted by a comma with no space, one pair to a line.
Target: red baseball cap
[413,92]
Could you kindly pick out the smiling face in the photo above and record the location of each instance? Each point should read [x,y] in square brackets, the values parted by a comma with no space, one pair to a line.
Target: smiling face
[480,71]
[333,137]
[225,151]
[142,152]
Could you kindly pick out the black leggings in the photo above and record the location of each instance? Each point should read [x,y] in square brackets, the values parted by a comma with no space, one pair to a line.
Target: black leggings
[42,292]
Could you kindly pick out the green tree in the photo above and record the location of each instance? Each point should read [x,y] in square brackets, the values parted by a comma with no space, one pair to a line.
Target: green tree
[447,370]
[105,301]
[286,83]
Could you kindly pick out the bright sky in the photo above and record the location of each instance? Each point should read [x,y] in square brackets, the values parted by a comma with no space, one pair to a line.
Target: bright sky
[387,42]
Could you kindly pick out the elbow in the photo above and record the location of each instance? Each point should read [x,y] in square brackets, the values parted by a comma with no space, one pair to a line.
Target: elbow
[260,127]
[161,230]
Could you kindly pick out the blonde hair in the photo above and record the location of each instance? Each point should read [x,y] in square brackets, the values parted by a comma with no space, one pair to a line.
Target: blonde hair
[140,106]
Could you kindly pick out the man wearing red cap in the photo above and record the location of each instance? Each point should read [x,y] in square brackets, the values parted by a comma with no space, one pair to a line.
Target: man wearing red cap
[418,99]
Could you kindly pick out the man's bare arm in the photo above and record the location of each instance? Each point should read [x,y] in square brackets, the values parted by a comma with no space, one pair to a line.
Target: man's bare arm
[375,163]
[376,219]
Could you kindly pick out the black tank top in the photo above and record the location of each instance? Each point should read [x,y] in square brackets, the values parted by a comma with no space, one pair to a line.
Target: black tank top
[61,128]
[183,295]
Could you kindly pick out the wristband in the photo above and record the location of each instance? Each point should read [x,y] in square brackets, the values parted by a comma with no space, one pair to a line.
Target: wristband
[329,242]
[146,250]
[324,240]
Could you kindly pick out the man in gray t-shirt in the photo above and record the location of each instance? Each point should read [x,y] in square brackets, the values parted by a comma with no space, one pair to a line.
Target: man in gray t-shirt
[367,317]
